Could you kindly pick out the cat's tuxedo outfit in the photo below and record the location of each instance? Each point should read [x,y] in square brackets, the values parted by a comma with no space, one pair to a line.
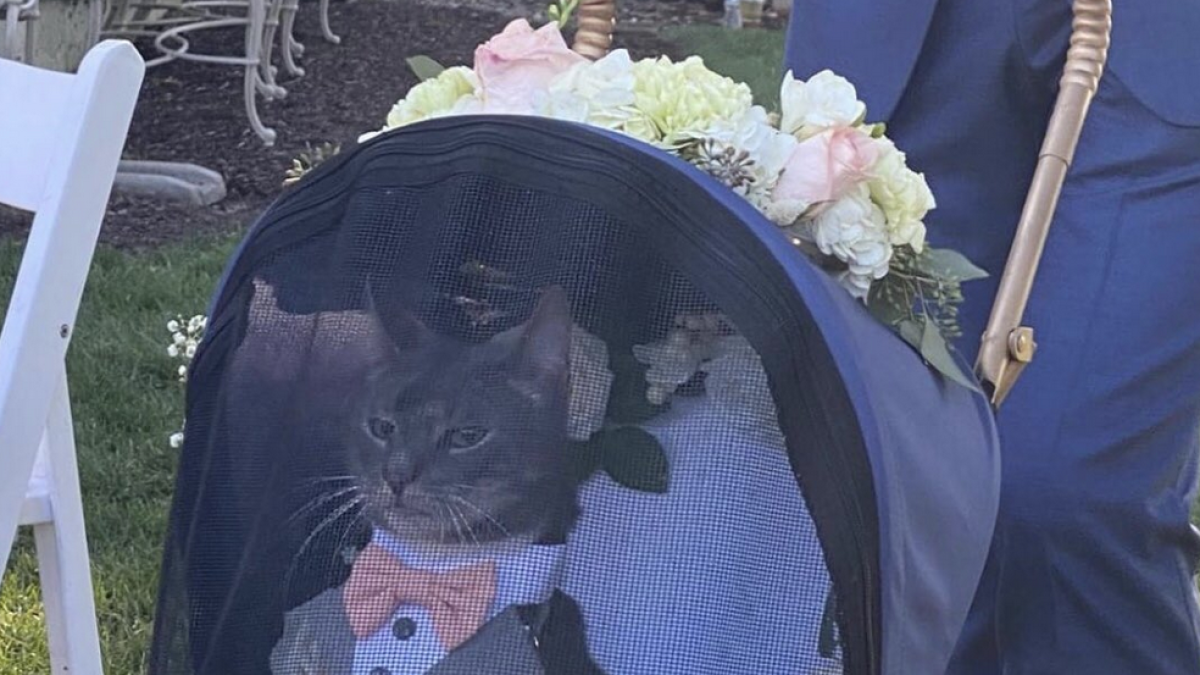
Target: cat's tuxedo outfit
[529,628]
[1091,563]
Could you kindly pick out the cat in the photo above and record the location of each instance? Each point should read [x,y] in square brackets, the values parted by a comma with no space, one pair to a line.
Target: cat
[458,455]
[455,445]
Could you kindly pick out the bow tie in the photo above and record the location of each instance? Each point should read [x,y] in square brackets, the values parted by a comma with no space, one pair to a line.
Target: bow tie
[457,600]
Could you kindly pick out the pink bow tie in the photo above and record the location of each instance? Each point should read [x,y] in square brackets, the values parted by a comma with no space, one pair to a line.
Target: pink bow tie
[457,600]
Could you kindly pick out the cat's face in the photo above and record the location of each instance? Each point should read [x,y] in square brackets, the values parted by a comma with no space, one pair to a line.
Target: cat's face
[456,444]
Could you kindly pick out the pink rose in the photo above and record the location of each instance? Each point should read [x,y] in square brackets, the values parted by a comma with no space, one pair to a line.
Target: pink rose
[519,62]
[827,166]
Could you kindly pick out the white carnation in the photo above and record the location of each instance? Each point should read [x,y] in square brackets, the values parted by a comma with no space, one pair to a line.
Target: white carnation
[902,194]
[591,381]
[679,102]
[854,230]
[737,382]
[452,92]
[825,100]
[672,363]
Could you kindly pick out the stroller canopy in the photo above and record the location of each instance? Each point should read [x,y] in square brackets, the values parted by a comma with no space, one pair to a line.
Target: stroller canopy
[510,395]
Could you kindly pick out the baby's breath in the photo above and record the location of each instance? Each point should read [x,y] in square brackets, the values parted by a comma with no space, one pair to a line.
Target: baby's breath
[186,335]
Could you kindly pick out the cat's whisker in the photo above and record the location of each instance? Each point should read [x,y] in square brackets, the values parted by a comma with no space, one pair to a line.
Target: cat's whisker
[329,520]
[443,530]
[471,505]
[325,479]
[466,524]
[318,501]
[457,527]
[358,517]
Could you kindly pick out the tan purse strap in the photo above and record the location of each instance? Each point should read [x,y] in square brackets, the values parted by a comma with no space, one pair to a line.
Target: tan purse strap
[1007,345]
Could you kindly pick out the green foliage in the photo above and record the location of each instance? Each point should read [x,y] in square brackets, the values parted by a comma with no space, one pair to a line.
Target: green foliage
[560,12]
[308,160]
[920,300]
[631,457]
[425,68]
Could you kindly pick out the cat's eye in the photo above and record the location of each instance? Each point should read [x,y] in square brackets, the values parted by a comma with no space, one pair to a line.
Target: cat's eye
[465,438]
[381,428]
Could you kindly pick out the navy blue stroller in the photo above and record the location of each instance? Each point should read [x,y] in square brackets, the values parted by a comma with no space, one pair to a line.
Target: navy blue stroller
[503,395]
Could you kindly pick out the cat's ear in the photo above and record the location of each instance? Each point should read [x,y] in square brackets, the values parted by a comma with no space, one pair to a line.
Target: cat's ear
[545,345]
[402,329]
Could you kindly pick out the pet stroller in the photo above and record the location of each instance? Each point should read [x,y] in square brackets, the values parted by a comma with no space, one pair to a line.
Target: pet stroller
[428,430]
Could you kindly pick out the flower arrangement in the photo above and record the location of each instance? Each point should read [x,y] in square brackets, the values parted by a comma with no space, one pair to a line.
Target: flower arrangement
[836,186]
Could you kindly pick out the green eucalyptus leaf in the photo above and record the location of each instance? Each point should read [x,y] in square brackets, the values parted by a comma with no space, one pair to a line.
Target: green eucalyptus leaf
[634,459]
[949,264]
[888,304]
[937,354]
[425,68]
[912,331]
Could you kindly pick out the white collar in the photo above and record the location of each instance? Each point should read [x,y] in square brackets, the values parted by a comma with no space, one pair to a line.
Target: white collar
[526,574]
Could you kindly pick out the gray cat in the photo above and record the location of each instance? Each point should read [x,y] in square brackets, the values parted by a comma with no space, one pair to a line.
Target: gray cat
[459,459]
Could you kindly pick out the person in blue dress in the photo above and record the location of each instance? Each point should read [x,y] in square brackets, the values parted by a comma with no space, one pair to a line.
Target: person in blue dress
[1092,562]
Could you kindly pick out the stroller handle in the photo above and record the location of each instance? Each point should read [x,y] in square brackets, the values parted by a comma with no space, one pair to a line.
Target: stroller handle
[1007,345]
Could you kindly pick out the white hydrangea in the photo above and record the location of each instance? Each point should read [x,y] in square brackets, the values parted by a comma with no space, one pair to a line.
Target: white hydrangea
[784,212]
[902,194]
[825,100]
[599,93]
[854,230]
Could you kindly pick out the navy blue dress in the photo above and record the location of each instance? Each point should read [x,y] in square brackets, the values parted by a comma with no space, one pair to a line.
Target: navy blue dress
[1091,568]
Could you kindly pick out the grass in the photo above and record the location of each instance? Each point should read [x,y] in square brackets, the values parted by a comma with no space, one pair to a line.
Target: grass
[126,403]
[751,56]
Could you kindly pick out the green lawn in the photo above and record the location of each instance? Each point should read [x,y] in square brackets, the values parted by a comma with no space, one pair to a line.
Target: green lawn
[126,403]
[751,56]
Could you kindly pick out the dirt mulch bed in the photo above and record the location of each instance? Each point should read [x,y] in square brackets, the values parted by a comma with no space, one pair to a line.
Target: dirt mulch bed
[190,112]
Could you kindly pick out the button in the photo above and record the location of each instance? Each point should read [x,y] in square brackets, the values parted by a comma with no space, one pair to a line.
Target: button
[403,629]
[380,671]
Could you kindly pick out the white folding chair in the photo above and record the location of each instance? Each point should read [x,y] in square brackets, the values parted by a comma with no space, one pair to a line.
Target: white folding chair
[61,137]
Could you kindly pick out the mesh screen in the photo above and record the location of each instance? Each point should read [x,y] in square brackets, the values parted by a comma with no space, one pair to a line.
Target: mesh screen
[478,428]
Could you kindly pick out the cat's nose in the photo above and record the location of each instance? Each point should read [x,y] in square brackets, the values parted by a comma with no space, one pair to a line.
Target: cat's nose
[399,475]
